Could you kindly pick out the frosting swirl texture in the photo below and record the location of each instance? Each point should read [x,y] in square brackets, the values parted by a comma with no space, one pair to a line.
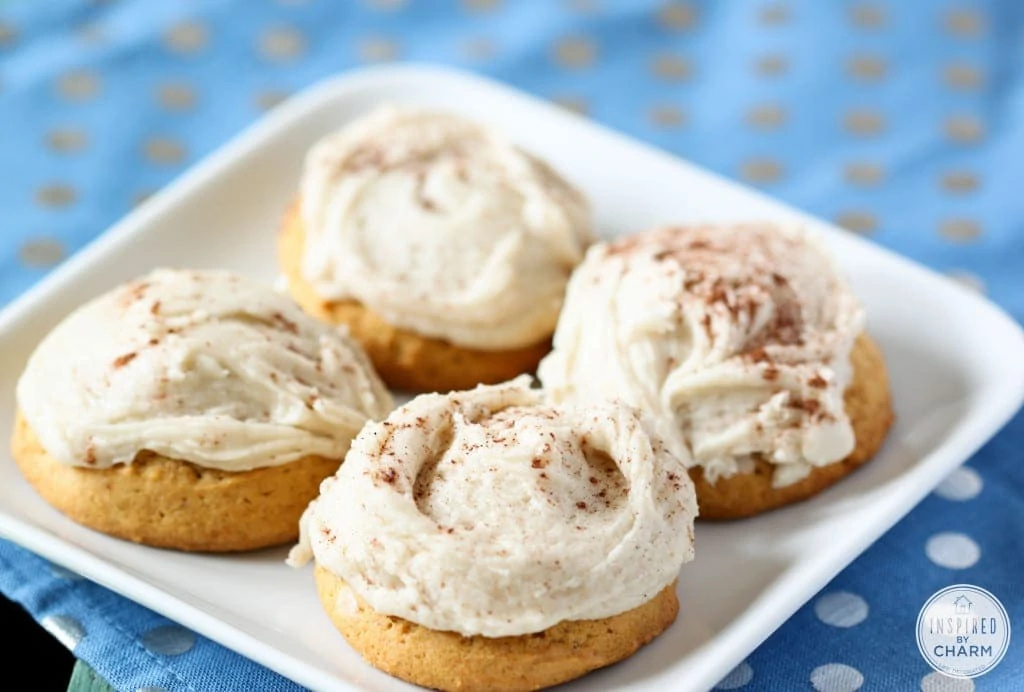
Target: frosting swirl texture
[206,367]
[736,338]
[442,227]
[491,512]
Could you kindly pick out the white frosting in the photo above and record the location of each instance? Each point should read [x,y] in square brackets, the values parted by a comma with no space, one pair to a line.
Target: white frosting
[442,227]
[736,338]
[206,367]
[491,512]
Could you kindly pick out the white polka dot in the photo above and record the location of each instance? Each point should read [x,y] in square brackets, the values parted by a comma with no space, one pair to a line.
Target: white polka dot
[42,252]
[738,677]
[168,640]
[962,484]
[836,677]
[67,630]
[937,682]
[841,609]
[952,550]
[282,43]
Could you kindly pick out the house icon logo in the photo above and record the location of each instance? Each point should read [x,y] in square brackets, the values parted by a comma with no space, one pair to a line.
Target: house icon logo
[963,605]
[963,631]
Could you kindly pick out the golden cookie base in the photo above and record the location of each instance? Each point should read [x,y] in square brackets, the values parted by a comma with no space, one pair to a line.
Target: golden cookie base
[869,406]
[167,503]
[450,661]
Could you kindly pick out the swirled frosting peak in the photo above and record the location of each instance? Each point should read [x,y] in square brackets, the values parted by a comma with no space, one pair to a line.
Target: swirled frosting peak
[491,512]
[736,338]
[441,226]
[206,367]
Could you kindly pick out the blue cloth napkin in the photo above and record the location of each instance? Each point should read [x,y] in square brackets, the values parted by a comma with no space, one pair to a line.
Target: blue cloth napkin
[901,120]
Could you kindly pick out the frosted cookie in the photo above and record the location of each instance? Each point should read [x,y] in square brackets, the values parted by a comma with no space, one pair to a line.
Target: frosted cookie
[191,410]
[444,247]
[488,540]
[747,346]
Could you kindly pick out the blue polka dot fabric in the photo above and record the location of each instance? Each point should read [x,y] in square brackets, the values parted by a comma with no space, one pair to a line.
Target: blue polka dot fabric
[899,120]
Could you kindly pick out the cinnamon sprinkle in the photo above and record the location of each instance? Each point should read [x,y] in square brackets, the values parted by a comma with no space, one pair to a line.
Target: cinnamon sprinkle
[705,322]
[758,355]
[388,475]
[122,361]
[285,323]
[810,406]
[134,293]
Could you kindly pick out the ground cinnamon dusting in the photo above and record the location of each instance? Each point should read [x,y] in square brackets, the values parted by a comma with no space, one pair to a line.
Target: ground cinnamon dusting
[706,323]
[285,323]
[122,361]
[718,293]
[758,355]
[810,406]
[134,293]
[388,475]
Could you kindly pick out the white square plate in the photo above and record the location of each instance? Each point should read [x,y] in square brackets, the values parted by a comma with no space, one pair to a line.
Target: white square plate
[957,366]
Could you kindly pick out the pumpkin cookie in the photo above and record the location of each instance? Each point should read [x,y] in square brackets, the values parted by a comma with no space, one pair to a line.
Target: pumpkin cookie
[191,410]
[451,661]
[746,345]
[869,408]
[169,503]
[444,247]
[489,540]
[404,359]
